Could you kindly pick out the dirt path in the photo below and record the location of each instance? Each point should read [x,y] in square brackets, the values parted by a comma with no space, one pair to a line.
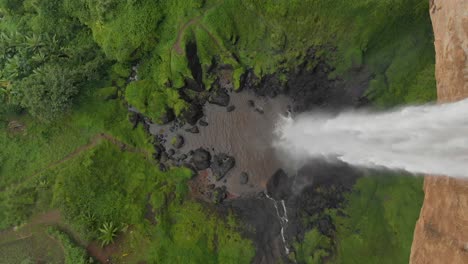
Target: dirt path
[94,142]
[193,21]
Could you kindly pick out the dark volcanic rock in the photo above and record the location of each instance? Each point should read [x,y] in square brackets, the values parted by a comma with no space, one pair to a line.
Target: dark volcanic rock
[193,113]
[230,108]
[193,85]
[219,194]
[193,130]
[279,186]
[134,118]
[168,116]
[164,157]
[162,167]
[248,80]
[201,159]
[203,123]
[222,163]
[244,178]
[270,86]
[178,141]
[219,97]
[158,150]
[170,153]
[194,62]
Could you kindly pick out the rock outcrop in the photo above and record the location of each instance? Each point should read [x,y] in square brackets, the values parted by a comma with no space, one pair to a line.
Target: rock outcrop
[441,234]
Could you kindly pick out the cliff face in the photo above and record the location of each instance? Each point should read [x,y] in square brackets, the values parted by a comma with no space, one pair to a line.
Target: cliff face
[441,234]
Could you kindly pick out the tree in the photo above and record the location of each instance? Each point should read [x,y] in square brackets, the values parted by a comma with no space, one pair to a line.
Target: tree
[47,92]
[108,233]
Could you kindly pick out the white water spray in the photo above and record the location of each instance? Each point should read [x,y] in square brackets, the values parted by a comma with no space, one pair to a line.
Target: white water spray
[430,139]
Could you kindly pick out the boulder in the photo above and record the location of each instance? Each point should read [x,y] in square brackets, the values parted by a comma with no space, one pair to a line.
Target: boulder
[201,159]
[168,116]
[193,130]
[203,123]
[244,178]
[219,194]
[177,141]
[230,108]
[278,186]
[193,113]
[219,97]
[248,80]
[222,163]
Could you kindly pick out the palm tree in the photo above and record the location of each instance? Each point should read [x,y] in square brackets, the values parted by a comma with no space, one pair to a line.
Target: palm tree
[108,233]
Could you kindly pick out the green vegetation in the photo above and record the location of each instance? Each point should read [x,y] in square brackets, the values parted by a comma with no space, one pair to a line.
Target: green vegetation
[74,254]
[108,233]
[30,244]
[381,216]
[313,249]
[64,66]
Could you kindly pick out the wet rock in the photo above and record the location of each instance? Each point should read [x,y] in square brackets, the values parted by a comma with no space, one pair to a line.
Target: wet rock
[191,50]
[219,97]
[230,108]
[164,157]
[134,119]
[222,163]
[203,123]
[193,171]
[279,185]
[270,86]
[170,152]
[193,85]
[244,178]
[177,141]
[193,130]
[219,194]
[162,167]
[193,113]
[168,116]
[158,150]
[248,80]
[201,159]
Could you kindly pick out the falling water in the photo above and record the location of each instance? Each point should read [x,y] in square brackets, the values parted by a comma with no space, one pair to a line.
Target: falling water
[283,218]
[430,139]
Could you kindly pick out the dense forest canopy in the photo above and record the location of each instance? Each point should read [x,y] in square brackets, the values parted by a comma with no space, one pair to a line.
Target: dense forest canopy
[77,40]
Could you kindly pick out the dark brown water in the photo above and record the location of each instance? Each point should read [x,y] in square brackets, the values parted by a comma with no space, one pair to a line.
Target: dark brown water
[245,133]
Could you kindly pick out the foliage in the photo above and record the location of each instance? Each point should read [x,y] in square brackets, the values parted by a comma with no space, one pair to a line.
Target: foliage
[151,101]
[46,58]
[74,254]
[48,92]
[381,216]
[313,249]
[186,234]
[108,232]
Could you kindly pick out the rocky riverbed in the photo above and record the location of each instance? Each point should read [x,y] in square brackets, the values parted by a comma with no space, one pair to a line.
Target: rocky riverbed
[225,137]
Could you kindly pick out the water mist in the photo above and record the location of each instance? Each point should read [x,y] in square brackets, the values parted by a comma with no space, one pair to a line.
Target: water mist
[430,139]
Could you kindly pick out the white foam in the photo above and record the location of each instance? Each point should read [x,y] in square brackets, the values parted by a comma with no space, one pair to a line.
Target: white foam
[430,139]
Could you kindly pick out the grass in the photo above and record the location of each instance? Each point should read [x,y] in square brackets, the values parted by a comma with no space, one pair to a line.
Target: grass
[381,216]
[33,248]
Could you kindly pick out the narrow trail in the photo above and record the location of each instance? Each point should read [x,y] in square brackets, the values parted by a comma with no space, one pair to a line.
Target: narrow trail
[192,21]
[94,142]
